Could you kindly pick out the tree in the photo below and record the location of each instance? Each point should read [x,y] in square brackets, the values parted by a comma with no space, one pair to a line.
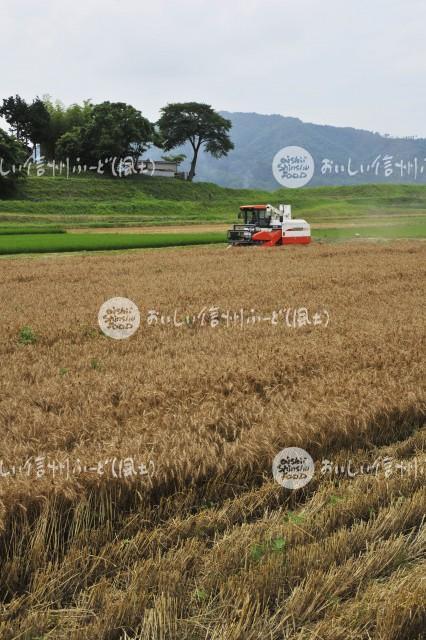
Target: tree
[27,122]
[63,120]
[38,122]
[197,124]
[72,145]
[15,111]
[12,152]
[119,130]
[114,130]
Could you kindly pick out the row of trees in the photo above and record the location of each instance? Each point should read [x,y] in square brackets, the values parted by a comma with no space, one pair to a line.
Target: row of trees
[93,132]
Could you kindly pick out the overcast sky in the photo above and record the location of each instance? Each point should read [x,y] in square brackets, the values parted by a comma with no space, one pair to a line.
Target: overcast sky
[360,64]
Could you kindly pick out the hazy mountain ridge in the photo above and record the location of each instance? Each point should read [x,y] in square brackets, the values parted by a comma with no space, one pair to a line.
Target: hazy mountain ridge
[258,137]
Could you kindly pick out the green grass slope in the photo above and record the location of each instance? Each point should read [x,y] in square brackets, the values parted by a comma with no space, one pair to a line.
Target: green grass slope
[91,200]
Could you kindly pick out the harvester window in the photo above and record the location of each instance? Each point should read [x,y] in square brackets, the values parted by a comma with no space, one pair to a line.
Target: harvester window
[264,217]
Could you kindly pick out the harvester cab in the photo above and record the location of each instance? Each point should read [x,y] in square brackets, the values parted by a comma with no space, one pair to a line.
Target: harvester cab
[265,225]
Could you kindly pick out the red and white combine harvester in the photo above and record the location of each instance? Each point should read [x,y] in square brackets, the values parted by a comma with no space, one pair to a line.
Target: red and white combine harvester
[267,226]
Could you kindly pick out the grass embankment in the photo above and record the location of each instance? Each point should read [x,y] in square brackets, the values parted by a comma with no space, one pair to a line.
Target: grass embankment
[90,201]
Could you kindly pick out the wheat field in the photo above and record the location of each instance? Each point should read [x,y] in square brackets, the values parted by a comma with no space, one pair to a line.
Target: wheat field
[137,500]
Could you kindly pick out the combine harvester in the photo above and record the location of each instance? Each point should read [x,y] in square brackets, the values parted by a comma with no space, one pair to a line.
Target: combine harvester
[267,226]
